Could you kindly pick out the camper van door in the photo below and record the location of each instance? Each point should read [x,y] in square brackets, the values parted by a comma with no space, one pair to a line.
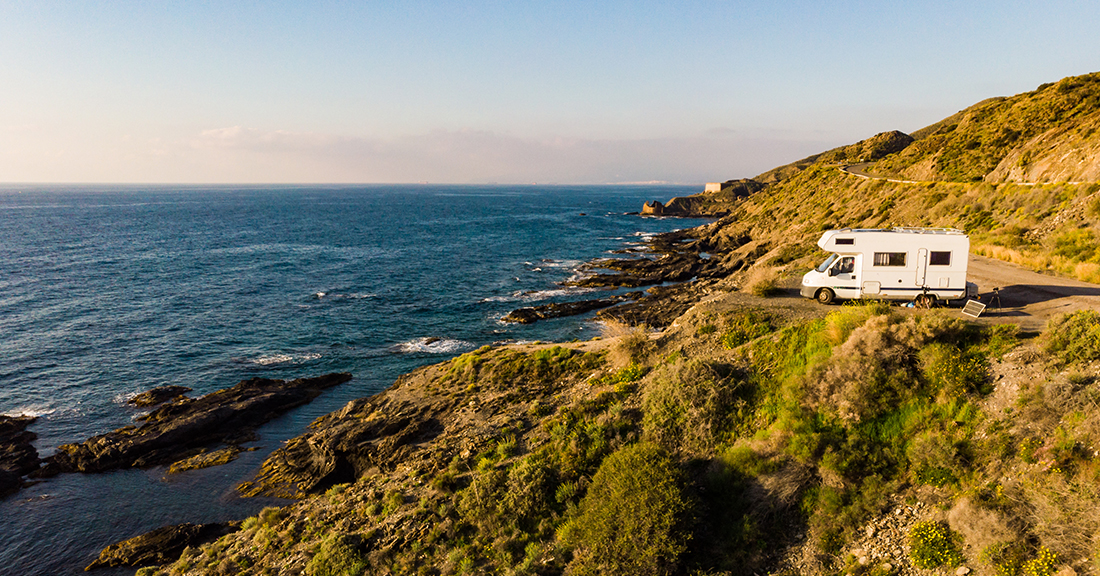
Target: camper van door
[845,276]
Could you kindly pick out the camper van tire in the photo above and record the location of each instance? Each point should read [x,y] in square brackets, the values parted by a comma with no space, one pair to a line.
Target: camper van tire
[825,296]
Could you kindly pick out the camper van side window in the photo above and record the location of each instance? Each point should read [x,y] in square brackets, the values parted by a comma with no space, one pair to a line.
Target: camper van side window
[845,241]
[939,258]
[889,258]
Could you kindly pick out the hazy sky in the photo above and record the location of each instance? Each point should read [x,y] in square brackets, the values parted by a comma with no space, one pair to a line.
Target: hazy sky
[572,92]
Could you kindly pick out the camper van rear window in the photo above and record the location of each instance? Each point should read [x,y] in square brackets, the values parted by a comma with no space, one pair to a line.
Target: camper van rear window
[889,258]
[843,241]
[939,258]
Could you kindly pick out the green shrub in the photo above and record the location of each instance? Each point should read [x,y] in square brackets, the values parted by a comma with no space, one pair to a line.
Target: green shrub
[1073,338]
[625,375]
[338,555]
[952,371]
[1000,338]
[745,327]
[1077,245]
[629,521]
[933,545]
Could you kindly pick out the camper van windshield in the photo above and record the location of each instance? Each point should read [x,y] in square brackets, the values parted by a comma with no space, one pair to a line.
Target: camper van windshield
[828,262]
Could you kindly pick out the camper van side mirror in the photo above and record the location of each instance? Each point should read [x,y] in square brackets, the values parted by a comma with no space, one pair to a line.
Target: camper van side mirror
[833,272]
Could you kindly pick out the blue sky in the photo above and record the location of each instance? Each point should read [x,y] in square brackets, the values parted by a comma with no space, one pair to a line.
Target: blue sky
[473,92]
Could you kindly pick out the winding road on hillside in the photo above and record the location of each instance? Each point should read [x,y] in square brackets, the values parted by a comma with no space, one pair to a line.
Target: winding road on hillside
[860,170]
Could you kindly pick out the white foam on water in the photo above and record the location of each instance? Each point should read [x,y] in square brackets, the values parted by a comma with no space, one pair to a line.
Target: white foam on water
[352,296]
[432,345]
[33,410]
[124,397]
[279,359]
[535,295]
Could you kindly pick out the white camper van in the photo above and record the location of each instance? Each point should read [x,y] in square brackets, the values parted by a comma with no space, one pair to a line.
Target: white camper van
[919,264]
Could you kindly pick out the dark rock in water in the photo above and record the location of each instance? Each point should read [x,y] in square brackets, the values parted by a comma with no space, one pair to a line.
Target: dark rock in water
[531,314]
[17,455]
[159,395]
[182,429]
[160,546]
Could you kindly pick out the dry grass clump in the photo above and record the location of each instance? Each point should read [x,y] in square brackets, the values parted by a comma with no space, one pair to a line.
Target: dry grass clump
[687,406]
[1065,516]
[763,281]
[873,369]
[632,344]
[982,527]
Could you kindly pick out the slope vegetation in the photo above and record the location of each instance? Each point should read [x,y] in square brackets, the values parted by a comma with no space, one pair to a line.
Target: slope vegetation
[747,437]
[1047,135]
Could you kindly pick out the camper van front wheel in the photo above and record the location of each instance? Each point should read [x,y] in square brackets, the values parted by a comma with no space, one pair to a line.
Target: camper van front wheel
[825,296]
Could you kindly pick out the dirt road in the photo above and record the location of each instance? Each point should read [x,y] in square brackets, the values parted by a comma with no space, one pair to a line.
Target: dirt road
[1027,298]
[1024,297]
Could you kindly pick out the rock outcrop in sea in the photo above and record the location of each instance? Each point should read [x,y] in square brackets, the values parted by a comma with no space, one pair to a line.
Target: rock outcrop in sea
[160,546]
[17,455]
[186,427]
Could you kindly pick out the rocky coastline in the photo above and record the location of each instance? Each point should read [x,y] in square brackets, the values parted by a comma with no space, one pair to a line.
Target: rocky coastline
[179,432]
[160,546]
[184,427]
[677,267]
[18,456]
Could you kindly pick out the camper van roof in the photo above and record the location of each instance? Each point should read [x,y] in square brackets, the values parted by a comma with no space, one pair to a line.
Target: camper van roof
[905,229]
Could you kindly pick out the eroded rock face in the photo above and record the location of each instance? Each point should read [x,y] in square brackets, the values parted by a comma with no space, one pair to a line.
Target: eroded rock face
[368,434]
[181,429]
[160,546]
[17,455]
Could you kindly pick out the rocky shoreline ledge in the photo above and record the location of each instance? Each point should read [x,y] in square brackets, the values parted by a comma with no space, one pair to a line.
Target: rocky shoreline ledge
[678,267]
[184,427]
[17,454]
[178,433]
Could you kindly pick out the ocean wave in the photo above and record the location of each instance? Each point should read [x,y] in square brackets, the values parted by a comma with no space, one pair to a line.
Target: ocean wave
[124,397]
[280,359]
[432,345]
[551,263]
[512,342]
[34,411]
[535,295]
[336,296]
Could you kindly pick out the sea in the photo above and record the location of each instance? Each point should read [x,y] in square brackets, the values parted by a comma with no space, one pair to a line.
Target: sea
[107,291]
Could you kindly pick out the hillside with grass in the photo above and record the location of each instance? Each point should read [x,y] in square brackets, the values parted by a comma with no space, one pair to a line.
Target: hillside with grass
[749,436]
[1020,175]
[865,441]
[1046,135]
